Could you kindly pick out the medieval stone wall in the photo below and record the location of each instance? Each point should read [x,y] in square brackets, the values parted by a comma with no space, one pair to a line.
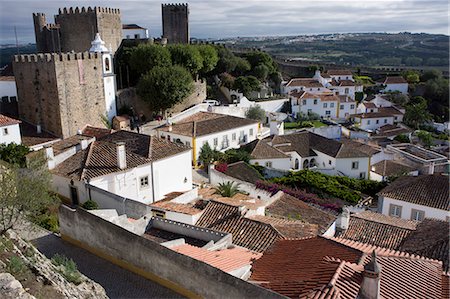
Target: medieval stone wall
[62,92]
[110,27]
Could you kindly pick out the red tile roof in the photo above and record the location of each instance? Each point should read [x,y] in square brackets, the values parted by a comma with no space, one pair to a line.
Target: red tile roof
[227,260]
[8,121]
[389,168]
[332,268]
[306,82]
[395,80]
[426,190]
[96,132]
[339,73]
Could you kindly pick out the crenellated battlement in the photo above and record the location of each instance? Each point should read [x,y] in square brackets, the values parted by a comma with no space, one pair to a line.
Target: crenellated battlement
[52,57]
[179,5]
[82,10]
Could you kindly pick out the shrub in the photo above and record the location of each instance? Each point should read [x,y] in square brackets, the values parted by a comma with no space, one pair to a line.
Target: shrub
[15,265]
[47,220]
[90,205]
[402,138]
[67,268]
[227,189]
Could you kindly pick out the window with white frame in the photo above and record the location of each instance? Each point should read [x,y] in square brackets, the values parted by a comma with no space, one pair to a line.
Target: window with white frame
[315,102]
[395,211]
[215,141]
[362,175]
[251,132]
[352,106]
[346,91]
[269,164]
[233,137]
[355,165]
[144,182]
[417,215]
[304,102]
[325,105]
[341,107]
[328,112]
[331,105]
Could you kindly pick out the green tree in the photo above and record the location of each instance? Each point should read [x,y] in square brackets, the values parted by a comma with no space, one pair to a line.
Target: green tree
[426,138]
[256,113]
[227,189]
[242,66]
[227,61]
[246,84]
[236,155]
[163,87]
[147,56]
[257,58]
[431,74]
[411,76]
[210,58]
[261,72]
[187,56]
[397,98]
[227,80]
[24,192]
[402,138]
[417,113]
[413,61]
[14,154]
[206,155]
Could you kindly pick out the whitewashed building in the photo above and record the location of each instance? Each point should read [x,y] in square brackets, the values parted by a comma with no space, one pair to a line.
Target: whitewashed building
[394,84]
[131,165]
[221,132]
[9,130]
[324,104]
[306,150]
[8,87]
[309,85]
[371,121]
[347,107]
[416,198]
[134,31]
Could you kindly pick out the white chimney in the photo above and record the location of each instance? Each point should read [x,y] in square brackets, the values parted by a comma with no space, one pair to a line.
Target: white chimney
[431,168]
[84,144]
[50,157]
[343,219]
[276,127]
[317,74]
[121,155]
[370,287]
[38,129]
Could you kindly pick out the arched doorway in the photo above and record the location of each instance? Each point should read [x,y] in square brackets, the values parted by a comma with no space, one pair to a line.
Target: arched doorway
[306,164]
[296,164]
[312,163]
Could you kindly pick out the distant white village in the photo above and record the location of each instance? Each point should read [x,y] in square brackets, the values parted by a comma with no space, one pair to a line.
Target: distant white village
[329,194]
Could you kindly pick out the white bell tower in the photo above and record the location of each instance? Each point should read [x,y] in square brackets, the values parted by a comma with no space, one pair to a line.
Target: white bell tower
[109,78]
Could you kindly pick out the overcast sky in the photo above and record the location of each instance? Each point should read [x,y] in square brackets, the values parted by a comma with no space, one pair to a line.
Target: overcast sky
[231,18]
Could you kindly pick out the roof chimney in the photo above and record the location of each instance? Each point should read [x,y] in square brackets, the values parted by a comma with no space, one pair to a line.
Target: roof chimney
[343,219]
[84,144]
[370,287]
[38,129]
[431,168]
[121,155]
[49,154]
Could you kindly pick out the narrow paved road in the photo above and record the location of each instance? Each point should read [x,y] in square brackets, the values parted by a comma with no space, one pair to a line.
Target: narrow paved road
[118,282]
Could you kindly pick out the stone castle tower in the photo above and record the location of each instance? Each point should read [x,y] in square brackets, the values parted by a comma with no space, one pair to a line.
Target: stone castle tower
[75,28]
[64,92]
[175,20]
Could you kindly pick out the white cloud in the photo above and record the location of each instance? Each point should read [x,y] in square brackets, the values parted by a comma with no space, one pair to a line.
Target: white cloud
[219,18]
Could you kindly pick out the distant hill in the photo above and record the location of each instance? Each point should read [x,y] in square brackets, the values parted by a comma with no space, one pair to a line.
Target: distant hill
[7,52]
[353,49]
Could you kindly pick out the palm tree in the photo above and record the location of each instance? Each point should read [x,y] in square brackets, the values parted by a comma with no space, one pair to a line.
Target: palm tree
[227,189]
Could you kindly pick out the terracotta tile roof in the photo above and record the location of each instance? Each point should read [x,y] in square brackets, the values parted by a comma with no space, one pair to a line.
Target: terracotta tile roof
[7,78]
[360,146]
[389,168]
[431,240]
[227,260]
[65,144]
[100,158]
[205,123]
[188,209]
[369,105]
[298,93]
[378,229]
[346,83]
[295,266]
[146,146]
[373,114]
[426,190]
[244,172]
[247,233]
[8,121]
[332,268]
[96,132]
[391,130]
[259,149]
[31,137]
[289,228]
[131,26]
[238,200]
[390,110]
[339,73]
[306,82]
[161,236]
[290,207]
[395,80]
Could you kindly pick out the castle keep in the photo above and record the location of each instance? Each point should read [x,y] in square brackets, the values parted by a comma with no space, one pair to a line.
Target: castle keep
[75,28]
[175,19]
[64,92]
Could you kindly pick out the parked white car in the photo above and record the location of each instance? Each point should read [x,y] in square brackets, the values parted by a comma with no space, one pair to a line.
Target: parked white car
[212,102]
